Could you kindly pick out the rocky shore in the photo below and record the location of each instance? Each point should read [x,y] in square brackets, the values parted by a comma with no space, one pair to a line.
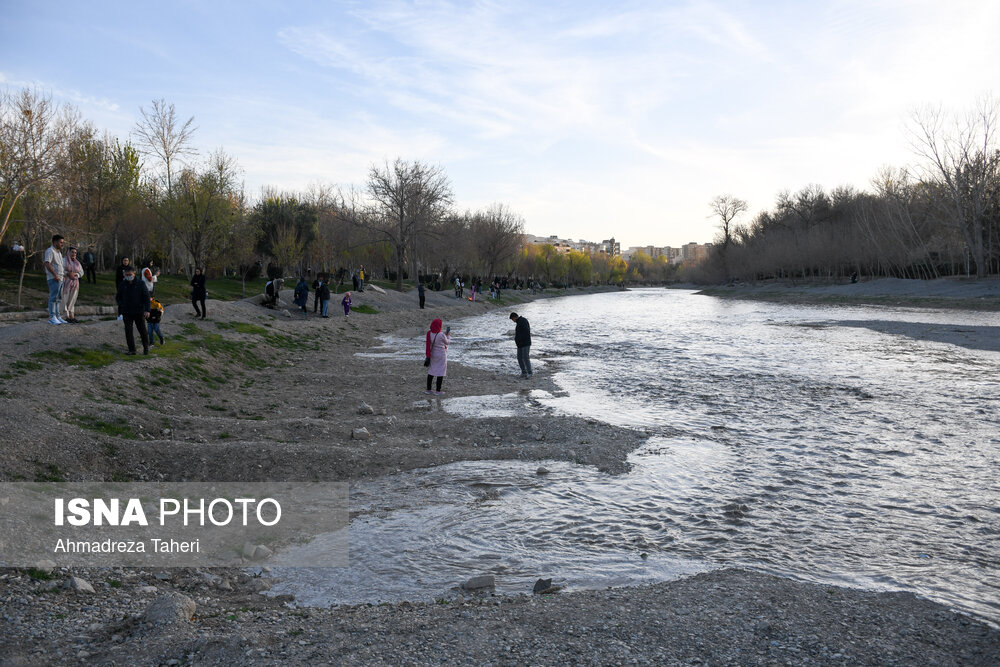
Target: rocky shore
[181,617]
[256,394]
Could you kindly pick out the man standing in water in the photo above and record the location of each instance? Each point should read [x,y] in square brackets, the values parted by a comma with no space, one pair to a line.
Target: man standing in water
[522,339]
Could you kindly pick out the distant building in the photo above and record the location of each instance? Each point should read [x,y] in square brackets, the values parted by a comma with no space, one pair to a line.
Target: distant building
[609,246]
[694,252]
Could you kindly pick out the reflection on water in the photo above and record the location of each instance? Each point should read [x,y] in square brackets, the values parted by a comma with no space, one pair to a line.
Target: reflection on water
[783,443]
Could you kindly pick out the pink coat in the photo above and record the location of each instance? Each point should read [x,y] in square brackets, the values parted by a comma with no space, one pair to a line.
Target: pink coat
[439,355]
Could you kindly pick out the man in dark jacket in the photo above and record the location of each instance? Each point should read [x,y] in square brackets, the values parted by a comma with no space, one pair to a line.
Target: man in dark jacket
[522,339]
[90,265]
[133,306]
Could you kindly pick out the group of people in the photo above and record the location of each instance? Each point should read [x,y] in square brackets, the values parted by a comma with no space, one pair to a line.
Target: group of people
[140,311]
[62,275]
[475,286]
[136,306]
[436,351]
[321,298]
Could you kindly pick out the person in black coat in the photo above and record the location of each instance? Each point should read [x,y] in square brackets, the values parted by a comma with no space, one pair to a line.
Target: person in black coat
[316,284]
[199,292]
[522,339]
[133,306]
[323,292]
[90,265]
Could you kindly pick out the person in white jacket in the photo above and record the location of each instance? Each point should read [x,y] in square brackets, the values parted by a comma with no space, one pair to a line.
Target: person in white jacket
[149,275]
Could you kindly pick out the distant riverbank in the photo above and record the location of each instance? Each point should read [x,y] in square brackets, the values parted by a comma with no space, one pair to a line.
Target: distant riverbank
[960,293]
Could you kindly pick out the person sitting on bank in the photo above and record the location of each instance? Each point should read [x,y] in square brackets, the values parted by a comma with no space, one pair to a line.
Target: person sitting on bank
[271,291]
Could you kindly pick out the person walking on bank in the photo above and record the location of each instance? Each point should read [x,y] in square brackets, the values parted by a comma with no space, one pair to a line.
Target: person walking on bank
[301,297]
[436,349]
[199,292]
[71,286]
[90,265]
[346,303]
[522,339]
[420,294]
[120,272]
[323,292]
[133,306]
[361,278]
[54,273]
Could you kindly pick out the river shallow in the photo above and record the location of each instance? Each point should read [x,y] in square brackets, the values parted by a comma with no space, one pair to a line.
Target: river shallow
[785,438]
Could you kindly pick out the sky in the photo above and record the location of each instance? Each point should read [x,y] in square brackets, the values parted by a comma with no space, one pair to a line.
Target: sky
[590,119]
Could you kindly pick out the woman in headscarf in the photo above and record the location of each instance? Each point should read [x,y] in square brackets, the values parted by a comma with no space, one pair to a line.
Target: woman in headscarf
[73,269]
[149,276]
[436,349]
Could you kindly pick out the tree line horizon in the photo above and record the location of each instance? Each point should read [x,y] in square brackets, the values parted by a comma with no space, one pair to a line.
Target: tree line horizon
[152,196]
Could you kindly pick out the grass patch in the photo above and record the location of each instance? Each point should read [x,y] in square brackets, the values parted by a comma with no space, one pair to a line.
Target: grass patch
[118,427]
[224,435]
[170,289]
[114,583]
[48,472]
[40,575]
[365,308]
[25,365]
[83,356]
[243,327]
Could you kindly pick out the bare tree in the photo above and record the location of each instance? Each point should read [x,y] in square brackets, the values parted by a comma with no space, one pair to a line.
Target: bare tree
[962,156]
[408,197]
[497,236]
[161,134]
[726,208]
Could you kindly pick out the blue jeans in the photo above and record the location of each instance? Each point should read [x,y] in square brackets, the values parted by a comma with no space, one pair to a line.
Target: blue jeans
[154,328]
[55,292]
[326,307]
[523,361]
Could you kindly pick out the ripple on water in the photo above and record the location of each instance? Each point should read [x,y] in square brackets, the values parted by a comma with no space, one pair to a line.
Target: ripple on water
[822,452]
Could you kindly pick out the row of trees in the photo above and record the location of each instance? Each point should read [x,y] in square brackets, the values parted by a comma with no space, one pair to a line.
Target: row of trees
[153,196]
[939,218]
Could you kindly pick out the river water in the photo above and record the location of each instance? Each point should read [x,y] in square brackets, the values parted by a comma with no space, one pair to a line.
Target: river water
[786,439]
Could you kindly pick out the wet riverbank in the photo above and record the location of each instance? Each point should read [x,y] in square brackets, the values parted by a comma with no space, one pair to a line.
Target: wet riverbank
[714,617]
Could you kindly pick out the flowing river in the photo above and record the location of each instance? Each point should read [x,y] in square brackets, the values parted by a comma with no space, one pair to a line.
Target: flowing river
[789,439]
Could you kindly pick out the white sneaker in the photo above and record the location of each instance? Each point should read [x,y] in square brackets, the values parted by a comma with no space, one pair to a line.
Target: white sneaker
[54,320]
[62,321]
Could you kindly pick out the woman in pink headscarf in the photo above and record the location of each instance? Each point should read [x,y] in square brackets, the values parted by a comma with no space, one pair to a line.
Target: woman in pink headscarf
[436,350]
[73,269]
